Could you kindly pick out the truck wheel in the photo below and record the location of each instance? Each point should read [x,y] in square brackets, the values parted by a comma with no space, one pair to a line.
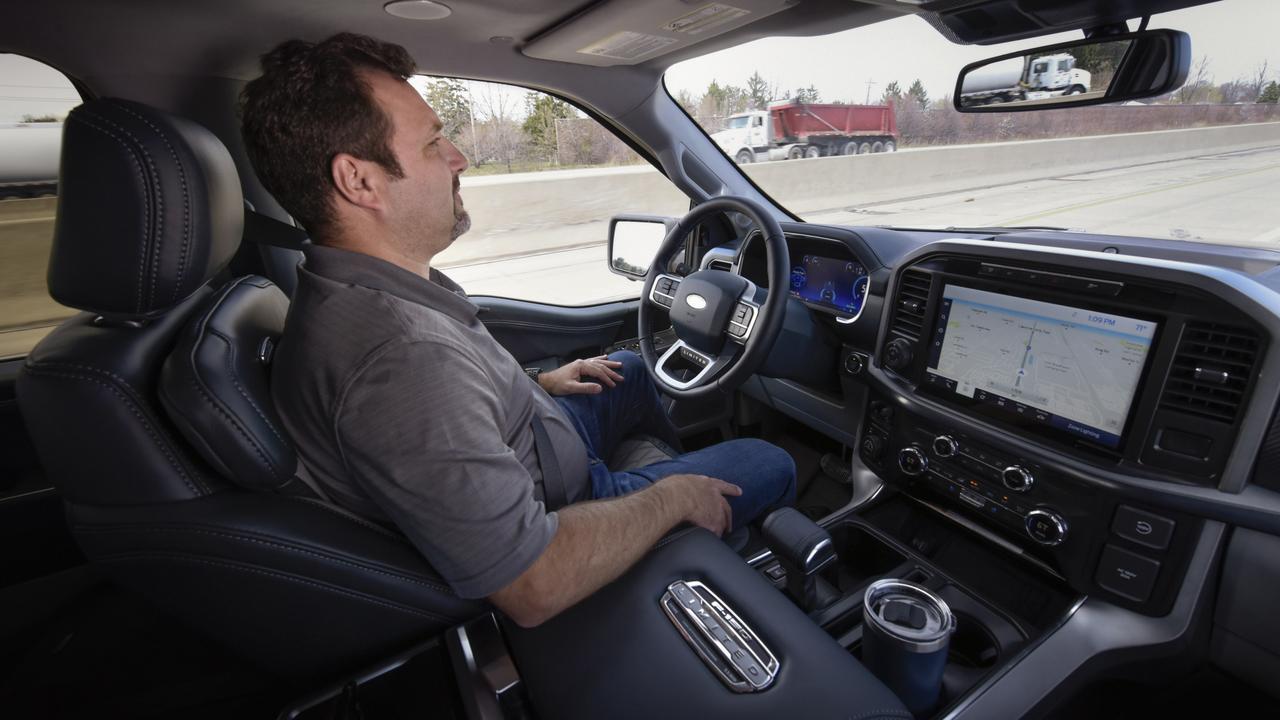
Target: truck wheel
[795,152]
[744,157]
[864,148]
[1075,90]
[813,151]
[890,146]
[878,147]
[850,148]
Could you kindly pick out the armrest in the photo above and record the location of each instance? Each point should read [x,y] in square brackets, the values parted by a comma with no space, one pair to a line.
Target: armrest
[617,654]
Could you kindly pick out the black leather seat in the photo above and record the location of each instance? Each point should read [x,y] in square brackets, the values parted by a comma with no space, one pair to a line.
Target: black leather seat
[196,507]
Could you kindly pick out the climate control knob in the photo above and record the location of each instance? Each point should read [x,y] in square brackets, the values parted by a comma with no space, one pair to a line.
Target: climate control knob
[1017,478]
[945,446]
[912,461]
[897,354]
[1046,527]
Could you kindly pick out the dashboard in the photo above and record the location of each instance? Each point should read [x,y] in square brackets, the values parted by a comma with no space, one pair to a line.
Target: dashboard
[1087,401]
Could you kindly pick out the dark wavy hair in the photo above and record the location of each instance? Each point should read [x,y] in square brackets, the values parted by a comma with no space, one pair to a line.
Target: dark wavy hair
[310,104]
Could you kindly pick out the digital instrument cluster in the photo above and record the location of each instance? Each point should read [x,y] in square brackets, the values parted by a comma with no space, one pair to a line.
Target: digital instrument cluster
[838,284]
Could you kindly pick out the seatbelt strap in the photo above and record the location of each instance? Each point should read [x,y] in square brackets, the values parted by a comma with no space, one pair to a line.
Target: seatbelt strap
[262,229]
[553,492]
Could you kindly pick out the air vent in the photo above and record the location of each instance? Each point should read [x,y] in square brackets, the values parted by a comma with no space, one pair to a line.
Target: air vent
[909,305]
[724,265]
[1211,371]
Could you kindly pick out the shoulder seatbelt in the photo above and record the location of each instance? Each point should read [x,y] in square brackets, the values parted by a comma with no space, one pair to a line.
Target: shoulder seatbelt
[553,492]
[262,229]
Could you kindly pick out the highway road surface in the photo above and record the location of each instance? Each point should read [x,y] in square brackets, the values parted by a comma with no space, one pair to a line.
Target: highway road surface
[1217,197]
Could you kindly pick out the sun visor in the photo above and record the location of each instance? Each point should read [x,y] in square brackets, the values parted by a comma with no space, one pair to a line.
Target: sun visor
[626,32]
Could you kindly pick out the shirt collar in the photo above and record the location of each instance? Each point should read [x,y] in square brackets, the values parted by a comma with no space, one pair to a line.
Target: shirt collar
[439,293]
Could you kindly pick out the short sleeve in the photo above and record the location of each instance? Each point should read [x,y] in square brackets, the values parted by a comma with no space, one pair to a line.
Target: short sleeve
[420,429]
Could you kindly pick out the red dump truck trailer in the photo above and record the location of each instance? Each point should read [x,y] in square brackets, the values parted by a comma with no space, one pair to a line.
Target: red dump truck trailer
[789,130]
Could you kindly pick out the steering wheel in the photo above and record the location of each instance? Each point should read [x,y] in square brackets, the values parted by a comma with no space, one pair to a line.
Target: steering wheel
[725,325]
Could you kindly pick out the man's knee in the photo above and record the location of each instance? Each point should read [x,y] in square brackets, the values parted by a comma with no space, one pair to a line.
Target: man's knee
[773,462]
[631,362]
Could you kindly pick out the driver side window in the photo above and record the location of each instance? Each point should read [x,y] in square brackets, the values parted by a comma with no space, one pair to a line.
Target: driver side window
[543,182]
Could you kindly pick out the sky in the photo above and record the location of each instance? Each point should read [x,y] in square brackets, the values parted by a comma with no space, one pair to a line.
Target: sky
[1236,35]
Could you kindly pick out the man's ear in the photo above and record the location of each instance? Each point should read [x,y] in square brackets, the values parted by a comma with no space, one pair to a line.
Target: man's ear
[357,181]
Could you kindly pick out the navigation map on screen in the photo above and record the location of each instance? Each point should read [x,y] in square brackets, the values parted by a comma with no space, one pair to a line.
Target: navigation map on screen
[1067,367]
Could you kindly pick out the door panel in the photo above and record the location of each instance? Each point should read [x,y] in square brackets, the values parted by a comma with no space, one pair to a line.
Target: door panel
[534,333]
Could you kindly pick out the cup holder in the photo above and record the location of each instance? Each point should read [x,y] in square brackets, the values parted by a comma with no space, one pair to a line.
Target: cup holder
[972,645]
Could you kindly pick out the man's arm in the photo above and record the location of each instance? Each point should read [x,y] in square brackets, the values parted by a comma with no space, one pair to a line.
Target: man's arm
[598,541]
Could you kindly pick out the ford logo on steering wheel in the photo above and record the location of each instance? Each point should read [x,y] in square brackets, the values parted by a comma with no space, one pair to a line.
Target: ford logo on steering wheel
[696,301]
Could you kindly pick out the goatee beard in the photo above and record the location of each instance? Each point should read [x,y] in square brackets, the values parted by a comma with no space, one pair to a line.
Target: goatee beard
[461,224]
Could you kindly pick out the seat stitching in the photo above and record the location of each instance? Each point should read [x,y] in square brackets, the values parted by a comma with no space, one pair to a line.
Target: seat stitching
[235,380]
[119,557]
[156,234]
[353,518]
[197,382]
[186,201]
[146,198]
[417,580]
[190,480]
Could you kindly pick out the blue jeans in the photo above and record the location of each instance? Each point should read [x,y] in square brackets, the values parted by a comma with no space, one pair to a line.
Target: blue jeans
[765,472]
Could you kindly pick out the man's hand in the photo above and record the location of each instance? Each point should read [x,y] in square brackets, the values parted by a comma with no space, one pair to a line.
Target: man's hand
[569,380]
[702,500]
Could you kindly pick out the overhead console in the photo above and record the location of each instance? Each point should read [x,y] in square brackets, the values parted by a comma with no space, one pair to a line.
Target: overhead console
[1026,386]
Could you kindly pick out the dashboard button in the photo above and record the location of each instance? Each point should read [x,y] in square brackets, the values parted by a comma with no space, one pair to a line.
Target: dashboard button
[945,446]
[912,462]
[1142,527]
[1046,527]
[1017,478]
[1127,574]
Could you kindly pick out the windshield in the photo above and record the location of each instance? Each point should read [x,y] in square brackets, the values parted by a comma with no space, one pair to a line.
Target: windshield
[861,130]
[737,122]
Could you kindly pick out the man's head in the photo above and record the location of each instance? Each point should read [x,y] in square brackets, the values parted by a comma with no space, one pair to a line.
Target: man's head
[350,149]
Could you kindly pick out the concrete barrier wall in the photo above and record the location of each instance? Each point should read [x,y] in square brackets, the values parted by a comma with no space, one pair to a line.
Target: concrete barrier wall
[828,183]
[502,204]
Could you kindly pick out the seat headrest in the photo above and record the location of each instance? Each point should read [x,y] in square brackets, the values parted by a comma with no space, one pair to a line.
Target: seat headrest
[149,209]
[215,385]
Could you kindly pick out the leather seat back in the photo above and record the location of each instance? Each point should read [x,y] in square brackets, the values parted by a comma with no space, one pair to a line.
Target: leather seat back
[150,213]
[215,385]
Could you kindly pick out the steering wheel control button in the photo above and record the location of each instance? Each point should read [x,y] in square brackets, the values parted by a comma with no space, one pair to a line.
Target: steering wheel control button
[945,446]
[719,637]
[898,354]
[1127,574]
[1143,528]
[1046,527]
[1017,478]
[912,462]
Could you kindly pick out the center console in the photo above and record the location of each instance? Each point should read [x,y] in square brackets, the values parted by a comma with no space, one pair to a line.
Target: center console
[1017,397]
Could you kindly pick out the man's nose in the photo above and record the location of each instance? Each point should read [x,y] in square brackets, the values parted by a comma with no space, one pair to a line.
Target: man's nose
[458,161]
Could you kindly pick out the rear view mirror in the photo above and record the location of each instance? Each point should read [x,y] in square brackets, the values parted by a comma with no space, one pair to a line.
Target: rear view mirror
[1106,69]
[634,240]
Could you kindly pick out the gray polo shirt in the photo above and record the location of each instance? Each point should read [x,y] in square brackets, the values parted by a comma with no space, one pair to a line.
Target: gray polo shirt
[405,409]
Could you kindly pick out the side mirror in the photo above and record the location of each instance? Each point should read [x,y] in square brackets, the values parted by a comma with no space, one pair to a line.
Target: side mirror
[1099,70]
[633,242]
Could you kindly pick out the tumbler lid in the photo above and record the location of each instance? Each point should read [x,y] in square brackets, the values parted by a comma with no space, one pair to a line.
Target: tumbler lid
[915,617]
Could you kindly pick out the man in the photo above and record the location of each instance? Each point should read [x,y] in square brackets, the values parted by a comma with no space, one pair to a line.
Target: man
[404,408]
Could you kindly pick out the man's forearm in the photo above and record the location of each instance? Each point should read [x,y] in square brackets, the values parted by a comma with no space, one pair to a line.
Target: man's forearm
[597,541]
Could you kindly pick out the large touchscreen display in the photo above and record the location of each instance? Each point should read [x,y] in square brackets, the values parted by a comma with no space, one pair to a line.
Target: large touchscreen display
[840,284]
[1066,367]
